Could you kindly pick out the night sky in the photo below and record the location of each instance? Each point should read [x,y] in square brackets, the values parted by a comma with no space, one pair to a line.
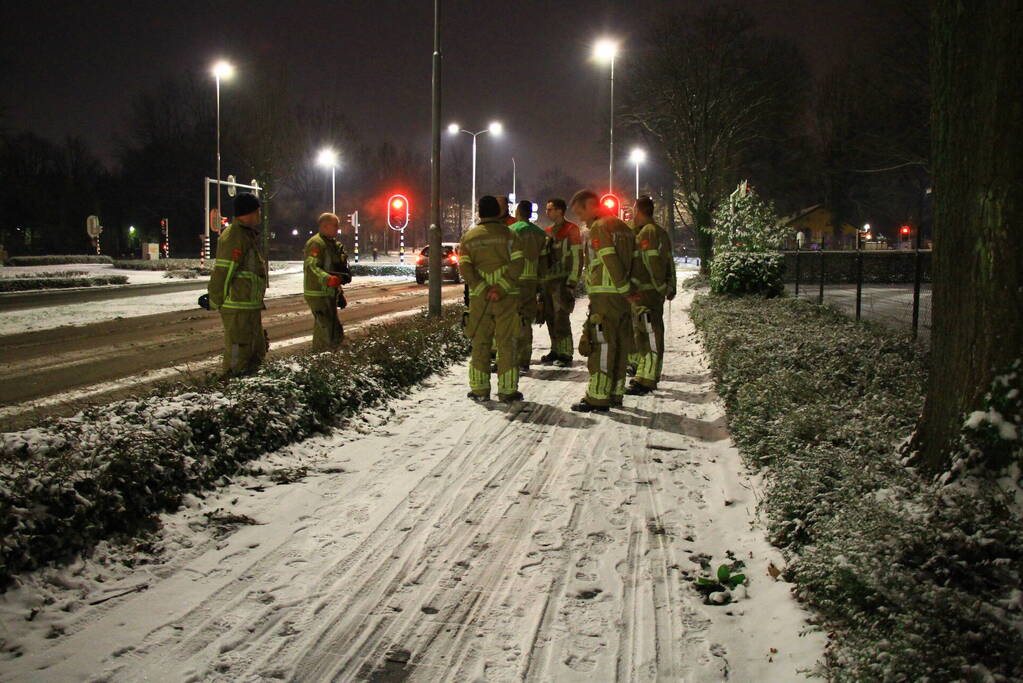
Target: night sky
[71,68]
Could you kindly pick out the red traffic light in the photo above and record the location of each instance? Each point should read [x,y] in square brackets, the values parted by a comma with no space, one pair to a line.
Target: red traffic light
[905,230]
[397,211]
[610,203]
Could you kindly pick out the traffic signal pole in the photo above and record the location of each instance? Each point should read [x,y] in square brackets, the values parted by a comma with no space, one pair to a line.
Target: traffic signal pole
[435,224]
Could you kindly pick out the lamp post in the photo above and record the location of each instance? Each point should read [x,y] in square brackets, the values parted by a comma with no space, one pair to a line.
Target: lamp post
[605,51]
[327,158]
[494,128]
[638,156]
[221,70]
[514,196]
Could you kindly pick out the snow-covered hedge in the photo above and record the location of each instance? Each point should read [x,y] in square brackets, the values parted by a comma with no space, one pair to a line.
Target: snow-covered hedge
[379,270]
[158,264]
[918,579]
[58,259]
[109,470]
[747,272]
[21,284]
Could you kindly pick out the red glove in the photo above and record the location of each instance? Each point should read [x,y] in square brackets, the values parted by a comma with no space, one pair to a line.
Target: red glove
[333,281]
[633,297]
[493,294]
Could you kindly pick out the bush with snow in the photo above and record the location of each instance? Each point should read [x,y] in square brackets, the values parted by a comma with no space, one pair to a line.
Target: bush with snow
[109,470]
[747,234]
[918,579]
[27,283]
[381,270]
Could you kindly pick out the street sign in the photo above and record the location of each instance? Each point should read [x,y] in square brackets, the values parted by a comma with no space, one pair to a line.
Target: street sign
[214,220]
[231,189]
[255,185]
[92,226]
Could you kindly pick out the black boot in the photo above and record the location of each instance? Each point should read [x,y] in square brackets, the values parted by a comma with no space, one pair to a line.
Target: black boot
[510,398]
[476,397]
[584,407]
[637,389]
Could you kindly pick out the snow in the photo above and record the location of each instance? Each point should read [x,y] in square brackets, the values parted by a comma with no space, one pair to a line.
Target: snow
[282,283]
[460,541]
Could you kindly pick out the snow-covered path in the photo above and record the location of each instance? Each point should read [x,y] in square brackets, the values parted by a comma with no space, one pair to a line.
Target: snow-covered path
[443,540]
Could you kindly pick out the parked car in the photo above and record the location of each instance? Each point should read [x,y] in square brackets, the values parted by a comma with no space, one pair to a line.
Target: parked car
[448,264]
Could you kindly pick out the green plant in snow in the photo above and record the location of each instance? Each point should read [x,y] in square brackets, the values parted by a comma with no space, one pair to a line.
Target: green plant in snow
[747,234]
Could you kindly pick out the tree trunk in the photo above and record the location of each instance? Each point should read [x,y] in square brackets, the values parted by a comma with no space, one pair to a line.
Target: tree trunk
[704,239]
[977,149]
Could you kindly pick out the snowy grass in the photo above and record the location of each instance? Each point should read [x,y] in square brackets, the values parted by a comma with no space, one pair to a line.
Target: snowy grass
[383,269]
[23,283]
[916,579]
[57,260]
[108,471]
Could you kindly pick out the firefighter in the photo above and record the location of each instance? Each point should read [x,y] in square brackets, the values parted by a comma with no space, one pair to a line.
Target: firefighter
[491,260]
[607,337]
[654,277]
[534,243]
[326,269]
[237,286]
[564,267]
[505,217]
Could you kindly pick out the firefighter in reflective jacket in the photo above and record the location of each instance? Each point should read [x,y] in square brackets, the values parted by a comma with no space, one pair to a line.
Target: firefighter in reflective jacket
[326,269]
[237,286]
[491,260]
[564,267]
[607,337]
[654,278]
[534,250]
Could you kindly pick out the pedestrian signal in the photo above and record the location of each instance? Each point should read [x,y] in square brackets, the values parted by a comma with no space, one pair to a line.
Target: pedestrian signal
[905,230]
[397,212]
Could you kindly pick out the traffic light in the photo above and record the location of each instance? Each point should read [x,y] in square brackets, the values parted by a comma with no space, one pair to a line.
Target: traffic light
[397,211]
[905,230]
[609,202]
[627,214]
[163,223]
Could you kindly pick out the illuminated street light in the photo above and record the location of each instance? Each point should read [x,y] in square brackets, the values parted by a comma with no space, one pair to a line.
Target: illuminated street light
[495,128]
[605,51]
[327,158]
[222,70]
[638,157]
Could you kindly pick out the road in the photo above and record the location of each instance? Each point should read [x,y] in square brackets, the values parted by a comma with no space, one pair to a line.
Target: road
[434,539]
[49,363]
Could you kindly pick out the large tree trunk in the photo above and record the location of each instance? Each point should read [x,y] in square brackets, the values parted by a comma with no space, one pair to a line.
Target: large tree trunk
[977,148]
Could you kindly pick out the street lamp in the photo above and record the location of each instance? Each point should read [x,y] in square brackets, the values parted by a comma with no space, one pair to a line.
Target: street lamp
[327,158]
[495,128]
[637,156]
[605,51]
[221,70]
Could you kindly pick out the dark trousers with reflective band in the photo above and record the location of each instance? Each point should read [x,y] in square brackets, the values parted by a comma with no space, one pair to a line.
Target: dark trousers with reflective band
[610,335]
[244,340]
[557,310]
[493,323]
[327,330]
[648,337]
[527,312]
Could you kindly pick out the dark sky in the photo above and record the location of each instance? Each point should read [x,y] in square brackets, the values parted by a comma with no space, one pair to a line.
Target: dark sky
[70,68]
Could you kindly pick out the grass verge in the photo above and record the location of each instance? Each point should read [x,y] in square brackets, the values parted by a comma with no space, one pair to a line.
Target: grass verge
[21,284]
[916,579]
[108,472]
[57,260]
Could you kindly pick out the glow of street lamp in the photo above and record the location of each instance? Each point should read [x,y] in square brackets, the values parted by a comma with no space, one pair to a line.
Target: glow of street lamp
[453,129]
[605,50]
[131,229]
[496,128]
[327,158]
[637,156]
[223,70]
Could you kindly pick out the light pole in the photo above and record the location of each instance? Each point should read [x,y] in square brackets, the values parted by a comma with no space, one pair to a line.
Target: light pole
[514,196]
[637,156]
[494,128]
[605,51]
[221,70]
[328,159]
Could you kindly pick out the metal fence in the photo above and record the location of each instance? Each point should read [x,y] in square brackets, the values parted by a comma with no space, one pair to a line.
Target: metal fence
[891,287]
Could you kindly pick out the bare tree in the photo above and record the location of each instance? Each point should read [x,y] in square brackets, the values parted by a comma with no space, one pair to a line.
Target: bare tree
[703,91]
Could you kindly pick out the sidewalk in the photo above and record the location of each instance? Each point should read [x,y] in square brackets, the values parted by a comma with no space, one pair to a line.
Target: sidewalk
[443,540]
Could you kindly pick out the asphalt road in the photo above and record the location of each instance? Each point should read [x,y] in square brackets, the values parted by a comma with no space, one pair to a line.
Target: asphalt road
[35,365]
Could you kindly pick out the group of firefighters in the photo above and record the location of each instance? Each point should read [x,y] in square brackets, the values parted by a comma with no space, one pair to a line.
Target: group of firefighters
[517,275]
